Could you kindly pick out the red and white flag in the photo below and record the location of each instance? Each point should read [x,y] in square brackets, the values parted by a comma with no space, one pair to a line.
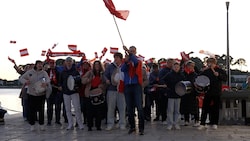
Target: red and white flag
[43,52]
[113,50]
[149,61]
[96,55]
[184,56]
[12,42]
[54,45]
[163,64]
[24,52]
[107,61]
[122,14]
[72,47]
[140,57]
[11,60]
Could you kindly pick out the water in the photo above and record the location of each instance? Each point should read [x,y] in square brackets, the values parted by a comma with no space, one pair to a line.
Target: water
[10,100]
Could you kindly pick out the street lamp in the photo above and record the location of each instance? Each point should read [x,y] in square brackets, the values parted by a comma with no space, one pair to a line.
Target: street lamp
[228,56]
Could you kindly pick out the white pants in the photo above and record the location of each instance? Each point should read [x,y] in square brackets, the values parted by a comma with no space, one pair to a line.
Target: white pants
[116,99]
[76,104]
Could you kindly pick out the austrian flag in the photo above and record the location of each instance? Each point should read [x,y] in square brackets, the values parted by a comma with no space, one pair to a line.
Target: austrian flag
[122,14]
[113,50]
[72,47]
[43,52]
[24,52]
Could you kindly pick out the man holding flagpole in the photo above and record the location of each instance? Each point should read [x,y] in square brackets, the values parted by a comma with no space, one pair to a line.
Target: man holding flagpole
[133,80]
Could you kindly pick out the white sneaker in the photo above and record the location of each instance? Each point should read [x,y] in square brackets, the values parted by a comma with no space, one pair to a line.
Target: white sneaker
[201,127]
[215,127]
[169,127]
[32,128]
[108,128]
[177,127]
[42,128]
[196,124]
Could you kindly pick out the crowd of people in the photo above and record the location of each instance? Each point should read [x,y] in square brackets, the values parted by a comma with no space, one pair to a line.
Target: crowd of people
[113,92]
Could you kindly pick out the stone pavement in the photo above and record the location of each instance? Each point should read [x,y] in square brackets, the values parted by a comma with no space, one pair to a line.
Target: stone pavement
[15,129]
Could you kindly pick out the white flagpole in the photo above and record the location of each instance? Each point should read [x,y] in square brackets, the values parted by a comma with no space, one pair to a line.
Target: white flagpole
[118,30]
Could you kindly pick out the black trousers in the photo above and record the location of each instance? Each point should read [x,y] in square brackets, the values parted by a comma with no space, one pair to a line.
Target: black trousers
[163,106]
[94,112]
[211,106]
[55,99]
[36,104]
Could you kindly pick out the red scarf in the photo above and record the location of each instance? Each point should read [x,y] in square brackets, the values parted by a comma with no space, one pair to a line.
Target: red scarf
[52,76]
[187,70]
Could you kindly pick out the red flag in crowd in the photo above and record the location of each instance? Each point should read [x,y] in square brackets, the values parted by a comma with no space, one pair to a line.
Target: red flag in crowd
[12,42]
[113,50]
[184,56]
[11,60]
[149,61]
[163,64]
[107,61]
[96,55]
[72,47]
[140,57]
[104,51]
[43,52]
[54,46]
[122,14]
[24,52]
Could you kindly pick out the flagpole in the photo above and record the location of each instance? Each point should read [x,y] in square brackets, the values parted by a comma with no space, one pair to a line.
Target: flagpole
[118,30]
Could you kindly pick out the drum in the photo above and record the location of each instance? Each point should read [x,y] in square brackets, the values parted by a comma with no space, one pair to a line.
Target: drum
[71,83]
[38,87]
[115,77]
[202,84]
[96,96]
[183,87]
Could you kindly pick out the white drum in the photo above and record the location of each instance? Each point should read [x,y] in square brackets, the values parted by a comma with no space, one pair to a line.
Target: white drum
[202,84]
[38,87]
[183,87]
[71,82]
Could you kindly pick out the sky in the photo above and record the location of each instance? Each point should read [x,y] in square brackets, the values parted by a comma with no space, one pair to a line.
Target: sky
[158,28]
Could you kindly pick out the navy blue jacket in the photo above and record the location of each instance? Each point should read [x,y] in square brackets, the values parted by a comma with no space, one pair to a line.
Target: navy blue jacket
[64,77]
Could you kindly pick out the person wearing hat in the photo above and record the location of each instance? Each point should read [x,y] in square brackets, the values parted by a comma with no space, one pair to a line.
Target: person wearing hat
[71,95]
[37,81]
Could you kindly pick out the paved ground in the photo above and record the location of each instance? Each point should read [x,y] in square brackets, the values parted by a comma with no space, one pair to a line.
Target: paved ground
[15,129]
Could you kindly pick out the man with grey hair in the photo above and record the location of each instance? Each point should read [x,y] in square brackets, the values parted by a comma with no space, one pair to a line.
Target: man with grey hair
[71,94]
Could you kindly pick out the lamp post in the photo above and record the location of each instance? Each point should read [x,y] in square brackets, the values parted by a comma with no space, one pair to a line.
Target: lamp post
[228,56]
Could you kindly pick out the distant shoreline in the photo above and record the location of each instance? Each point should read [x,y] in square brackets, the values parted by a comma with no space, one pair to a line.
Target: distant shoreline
[10,87]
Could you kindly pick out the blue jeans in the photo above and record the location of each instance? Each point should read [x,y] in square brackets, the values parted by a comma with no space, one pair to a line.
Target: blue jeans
[173,111]
[133,97]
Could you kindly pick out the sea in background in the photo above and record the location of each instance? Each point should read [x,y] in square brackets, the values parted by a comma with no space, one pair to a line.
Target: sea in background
[10,101]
